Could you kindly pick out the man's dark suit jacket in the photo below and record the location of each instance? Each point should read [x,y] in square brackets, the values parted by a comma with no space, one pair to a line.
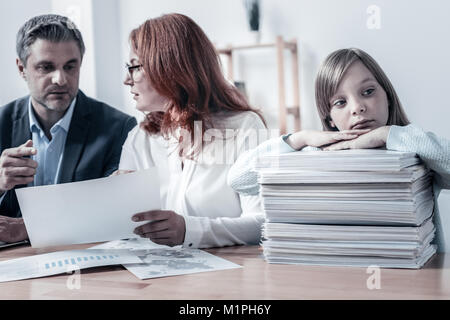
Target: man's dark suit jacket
[93,146]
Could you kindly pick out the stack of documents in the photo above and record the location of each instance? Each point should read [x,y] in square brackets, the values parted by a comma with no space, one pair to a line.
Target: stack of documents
[347,208]
[344,160]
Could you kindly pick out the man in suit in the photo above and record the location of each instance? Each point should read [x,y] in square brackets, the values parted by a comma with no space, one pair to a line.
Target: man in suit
[56,134]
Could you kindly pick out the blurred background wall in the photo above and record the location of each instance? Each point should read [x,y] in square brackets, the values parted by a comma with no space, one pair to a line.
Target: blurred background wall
[408,38]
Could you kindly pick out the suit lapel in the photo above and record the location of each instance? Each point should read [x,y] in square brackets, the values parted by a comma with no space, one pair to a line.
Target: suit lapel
[76,138]
[21,125]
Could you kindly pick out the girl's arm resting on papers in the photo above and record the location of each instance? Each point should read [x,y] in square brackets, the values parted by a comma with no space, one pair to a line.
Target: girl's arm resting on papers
[433,150]
[373,139]
[243,178]
[318,139]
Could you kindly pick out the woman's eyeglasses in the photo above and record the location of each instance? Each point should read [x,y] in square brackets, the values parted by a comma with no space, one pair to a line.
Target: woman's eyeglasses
[134,72]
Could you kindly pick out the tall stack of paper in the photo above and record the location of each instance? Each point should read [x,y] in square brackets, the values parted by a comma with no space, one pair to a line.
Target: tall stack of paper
[347,208]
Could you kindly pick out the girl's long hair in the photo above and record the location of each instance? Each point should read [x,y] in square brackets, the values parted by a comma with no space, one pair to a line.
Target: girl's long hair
[330,76]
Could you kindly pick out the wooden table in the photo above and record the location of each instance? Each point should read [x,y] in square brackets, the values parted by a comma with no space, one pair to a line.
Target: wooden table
[257,280]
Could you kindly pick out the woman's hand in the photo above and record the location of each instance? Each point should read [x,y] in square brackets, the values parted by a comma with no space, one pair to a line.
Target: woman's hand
[374,139]
[312,138]
[164,227]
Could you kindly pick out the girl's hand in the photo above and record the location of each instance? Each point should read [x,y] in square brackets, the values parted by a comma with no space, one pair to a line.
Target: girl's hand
[374,139]
[164,227]
[312,138]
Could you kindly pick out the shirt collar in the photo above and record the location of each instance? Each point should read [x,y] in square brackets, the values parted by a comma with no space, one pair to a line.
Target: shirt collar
[63,123]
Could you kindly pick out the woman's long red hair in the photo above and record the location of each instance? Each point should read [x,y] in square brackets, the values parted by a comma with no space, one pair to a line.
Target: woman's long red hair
[183,65]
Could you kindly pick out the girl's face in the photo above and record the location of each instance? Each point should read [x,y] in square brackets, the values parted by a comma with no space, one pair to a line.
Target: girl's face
[360,102]
[147,98]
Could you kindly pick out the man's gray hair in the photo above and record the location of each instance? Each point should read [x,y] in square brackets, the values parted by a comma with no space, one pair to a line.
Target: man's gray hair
[49,27]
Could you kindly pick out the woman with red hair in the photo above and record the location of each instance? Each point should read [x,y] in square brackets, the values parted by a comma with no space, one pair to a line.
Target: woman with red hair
[196,125]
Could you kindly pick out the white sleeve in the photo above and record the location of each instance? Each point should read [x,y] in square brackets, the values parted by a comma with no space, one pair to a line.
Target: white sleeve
[433,150]
[136,151]
[204,232]
[242,176]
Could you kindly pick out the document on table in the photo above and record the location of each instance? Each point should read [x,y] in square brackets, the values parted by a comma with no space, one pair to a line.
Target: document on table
[162,261]
[62,262]
[88,212]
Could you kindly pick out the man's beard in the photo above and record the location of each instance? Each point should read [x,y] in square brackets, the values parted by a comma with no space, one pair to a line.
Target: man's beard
[50,106]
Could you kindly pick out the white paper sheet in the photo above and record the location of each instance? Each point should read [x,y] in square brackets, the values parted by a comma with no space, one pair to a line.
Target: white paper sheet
[162,261]
[62,262]
[88,212]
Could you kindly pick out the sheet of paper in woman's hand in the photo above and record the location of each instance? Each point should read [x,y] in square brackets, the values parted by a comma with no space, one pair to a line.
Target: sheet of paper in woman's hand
[89,211]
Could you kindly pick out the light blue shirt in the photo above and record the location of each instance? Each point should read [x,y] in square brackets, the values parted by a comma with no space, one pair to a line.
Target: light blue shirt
[49,153]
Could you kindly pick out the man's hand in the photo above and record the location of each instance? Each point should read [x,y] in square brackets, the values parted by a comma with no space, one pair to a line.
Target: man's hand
[15,168]
[374,139]
[121,172]
[165,227]
[313,138]
[12,230]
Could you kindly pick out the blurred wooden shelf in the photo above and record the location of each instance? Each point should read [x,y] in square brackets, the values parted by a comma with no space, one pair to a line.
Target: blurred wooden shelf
[280,45]
[291,45]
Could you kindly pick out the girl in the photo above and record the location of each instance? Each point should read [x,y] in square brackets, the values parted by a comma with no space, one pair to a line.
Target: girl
[359,109]
[175,77]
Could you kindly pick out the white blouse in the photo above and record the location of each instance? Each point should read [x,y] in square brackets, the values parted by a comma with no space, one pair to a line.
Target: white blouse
[215,214]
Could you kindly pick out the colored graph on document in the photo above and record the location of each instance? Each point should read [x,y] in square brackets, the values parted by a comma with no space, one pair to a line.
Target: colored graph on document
[79,260]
